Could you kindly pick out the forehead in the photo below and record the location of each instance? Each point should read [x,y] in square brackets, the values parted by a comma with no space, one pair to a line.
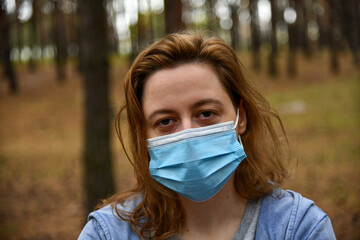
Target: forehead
[182,85]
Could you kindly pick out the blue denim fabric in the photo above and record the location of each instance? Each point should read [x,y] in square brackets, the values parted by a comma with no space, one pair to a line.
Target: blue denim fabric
[106,224]
[288,215]
[283,215]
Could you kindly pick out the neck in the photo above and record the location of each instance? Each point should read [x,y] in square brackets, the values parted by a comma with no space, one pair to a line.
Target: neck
[222,213]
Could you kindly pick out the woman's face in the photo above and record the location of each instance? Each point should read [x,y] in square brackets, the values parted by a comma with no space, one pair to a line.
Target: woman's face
[188,96]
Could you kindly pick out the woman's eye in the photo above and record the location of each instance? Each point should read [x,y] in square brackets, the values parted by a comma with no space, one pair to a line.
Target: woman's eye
[165,122]
[206,114]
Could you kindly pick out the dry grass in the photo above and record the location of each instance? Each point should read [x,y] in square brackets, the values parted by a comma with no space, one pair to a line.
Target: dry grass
[41,136]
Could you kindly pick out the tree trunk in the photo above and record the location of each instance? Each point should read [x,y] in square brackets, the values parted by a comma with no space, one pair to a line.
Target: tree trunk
[98,176]
[235,35]
[142,34]
[357,9]
[33,33]
[5,49]
[151,25]
[291,67]
[323,37]
[60,42]
[19,30]
[293,36]
[351,28]
[255,34]
[333,36]
[173,14]
[43,38]
[134,29]
[273,41]
[113,40]
[301,25]
[211,16]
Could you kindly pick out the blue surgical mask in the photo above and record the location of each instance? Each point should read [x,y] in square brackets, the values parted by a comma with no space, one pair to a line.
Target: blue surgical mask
[196,163]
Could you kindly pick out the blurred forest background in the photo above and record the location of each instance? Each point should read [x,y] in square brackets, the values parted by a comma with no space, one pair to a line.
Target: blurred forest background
[62,64]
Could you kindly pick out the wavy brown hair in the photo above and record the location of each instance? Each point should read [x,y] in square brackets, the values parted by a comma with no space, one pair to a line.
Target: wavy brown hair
[160,214]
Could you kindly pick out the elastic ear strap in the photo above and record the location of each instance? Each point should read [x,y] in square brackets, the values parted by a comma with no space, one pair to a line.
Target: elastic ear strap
[237,118]
[240,140]
[236,123]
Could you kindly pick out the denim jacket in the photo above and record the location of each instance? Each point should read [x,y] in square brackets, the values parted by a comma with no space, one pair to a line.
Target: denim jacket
[283,215]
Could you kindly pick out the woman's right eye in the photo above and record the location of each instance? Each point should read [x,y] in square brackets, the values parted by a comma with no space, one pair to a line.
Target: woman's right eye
[165,122]
[165,125]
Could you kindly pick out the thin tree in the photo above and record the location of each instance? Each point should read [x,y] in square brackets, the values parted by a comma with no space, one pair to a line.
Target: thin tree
[334,30]
[173,14]
[357,11]
[5,48]
[273,41]
[111,30]
[234,31]
[142,30]
[351,29]
[19,27]
[98,177]
[293,35]
[59,38]
[42,20]
[255,34]
[134,29]
[151,25]
[33,33]
[301,25]
[319,16]
[211,16]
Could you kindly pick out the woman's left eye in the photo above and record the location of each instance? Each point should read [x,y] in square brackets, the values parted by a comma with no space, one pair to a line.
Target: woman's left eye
[206,114]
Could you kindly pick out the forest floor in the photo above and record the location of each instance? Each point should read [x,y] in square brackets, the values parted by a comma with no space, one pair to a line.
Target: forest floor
[41,131]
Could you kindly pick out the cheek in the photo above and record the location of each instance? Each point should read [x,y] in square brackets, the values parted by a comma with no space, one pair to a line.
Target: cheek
[150,132]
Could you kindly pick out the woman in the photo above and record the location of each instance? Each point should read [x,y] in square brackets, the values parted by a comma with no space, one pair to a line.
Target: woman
[207,159]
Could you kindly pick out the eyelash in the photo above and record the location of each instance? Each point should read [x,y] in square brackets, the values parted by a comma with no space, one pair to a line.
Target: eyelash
[164,119]
[160,121]
[212,113]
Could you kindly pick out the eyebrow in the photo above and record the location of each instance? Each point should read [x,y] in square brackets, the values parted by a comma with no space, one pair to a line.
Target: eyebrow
[196,105]
[160,111]
[208,101]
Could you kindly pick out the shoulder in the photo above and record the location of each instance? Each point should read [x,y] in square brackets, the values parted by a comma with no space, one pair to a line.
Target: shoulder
[106,224]
[288,215]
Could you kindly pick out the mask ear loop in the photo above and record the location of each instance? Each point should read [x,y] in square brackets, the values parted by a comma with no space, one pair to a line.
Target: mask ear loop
[240,140]
[237,118]
[236,123]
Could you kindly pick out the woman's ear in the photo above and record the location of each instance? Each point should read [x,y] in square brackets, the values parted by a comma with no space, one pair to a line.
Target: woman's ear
[241,127]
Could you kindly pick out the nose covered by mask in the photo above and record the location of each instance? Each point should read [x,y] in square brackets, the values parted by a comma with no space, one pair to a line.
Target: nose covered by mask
[196,163]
